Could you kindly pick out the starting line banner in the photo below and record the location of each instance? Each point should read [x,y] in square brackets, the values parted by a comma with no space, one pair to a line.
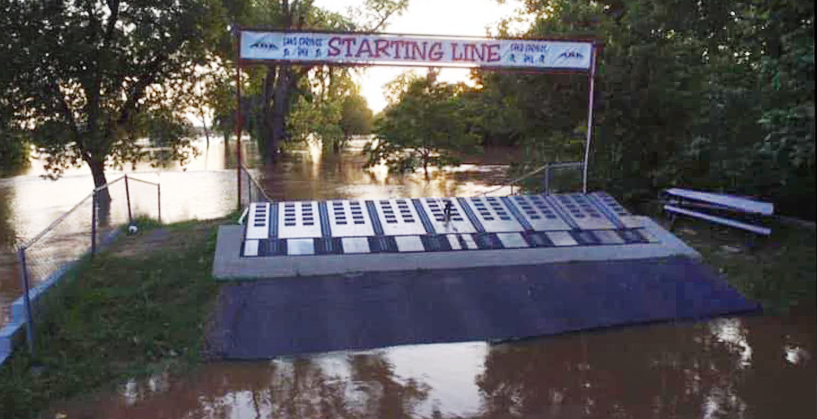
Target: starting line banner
[387,49]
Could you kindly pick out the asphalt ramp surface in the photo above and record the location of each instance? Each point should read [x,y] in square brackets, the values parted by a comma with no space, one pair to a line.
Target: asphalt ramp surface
[287,316]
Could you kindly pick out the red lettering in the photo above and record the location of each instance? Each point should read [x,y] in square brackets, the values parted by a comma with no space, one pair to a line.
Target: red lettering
[478,54]
[493,53]
[364,48]
[333,49]
[348,42]
[407,49]
[415,50]
[396,45]
[436,51]
[381,46]
[454,56]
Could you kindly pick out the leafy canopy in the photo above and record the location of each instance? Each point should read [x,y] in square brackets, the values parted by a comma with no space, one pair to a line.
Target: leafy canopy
[427,126]
[94,76]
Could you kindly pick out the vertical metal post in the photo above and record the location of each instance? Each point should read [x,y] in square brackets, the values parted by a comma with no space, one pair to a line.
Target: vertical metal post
[93,223]
[159,201]
[547,179]
[29,319]
[238,115]
[127,197]
[249,188]
[590,101]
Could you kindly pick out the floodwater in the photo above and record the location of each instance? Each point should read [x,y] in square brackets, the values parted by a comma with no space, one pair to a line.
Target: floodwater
[203,188]
[751,367]
[741,367]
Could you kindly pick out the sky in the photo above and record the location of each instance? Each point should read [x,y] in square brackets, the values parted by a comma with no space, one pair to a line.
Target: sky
[433,17]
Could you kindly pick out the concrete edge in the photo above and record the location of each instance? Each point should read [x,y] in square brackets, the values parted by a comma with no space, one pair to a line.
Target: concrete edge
[229,265]
[668,239]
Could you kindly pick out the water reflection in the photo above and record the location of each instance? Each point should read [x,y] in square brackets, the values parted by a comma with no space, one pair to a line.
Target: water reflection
[662,371]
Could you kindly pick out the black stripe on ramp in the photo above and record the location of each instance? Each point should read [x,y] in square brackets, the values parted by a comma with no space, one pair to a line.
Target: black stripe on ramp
[470,214]
[423,216]
[378,228]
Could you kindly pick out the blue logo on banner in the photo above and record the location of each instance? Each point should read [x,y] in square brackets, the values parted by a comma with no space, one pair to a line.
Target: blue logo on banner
[571,54]
[265,43]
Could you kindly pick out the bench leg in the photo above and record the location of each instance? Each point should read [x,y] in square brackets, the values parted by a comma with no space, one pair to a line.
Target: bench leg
[673,219]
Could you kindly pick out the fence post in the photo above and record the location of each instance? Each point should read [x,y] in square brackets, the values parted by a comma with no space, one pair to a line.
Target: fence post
[29,319]
[547,179]
[249,191]
[93,223]
[127,197]
[159,200]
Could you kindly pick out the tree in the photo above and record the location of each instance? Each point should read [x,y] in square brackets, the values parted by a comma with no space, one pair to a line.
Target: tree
[426,126]
[94,76]
[711,95]
[282,85]
[357,118]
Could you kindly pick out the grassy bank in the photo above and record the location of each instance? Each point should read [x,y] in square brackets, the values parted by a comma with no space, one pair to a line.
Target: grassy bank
[779,271]
[137,308]
[141,306]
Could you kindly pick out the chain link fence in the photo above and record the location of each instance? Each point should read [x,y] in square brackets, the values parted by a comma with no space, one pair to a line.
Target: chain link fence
[550,178]
[563,178]
[80,232]
[250,189]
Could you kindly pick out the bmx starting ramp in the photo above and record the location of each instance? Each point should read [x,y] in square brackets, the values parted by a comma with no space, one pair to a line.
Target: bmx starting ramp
[304,277]
[285,239]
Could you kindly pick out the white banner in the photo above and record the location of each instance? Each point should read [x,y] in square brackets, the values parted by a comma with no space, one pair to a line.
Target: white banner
[382,49]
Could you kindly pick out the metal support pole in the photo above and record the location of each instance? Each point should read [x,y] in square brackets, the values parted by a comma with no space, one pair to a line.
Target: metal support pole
[590,101]
[127,197]
[238,116]
[29,319]
[93,224]
[159,201]
[249,190]
[547,179]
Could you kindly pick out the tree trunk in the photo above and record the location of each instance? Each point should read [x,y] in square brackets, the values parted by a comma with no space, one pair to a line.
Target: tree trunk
[280,107]
[204,124]
[98,172]
[267,140]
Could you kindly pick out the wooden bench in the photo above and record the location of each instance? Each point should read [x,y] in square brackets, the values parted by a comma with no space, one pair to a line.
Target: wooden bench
[722,209]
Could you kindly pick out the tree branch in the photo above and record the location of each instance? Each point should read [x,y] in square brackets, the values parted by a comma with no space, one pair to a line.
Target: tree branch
[69,116]
[137,91]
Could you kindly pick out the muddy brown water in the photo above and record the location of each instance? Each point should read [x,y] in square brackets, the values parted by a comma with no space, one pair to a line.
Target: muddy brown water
[202,188]
[744,367]
[751,367]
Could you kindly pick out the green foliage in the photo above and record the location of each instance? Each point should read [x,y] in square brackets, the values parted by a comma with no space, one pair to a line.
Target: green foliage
[287,102]
[780,273]
[356,117]
[93,77]
[126,313]
[427,126]
[13,152]
[711,95]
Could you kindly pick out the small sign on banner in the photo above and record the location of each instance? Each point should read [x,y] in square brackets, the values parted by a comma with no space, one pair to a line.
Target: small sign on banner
[387,49]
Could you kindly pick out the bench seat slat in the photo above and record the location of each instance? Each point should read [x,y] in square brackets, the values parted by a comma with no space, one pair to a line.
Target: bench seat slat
[720,220]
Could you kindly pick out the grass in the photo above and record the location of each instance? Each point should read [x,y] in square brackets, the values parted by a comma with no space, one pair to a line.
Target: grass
[140,307]
[779,271]
[123,314]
